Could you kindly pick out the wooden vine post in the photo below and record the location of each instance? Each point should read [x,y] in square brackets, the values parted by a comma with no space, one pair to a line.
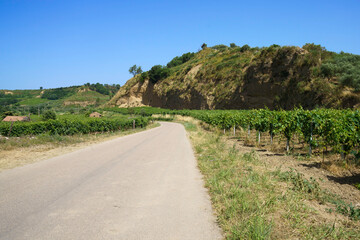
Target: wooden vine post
[11,126]
[311,137]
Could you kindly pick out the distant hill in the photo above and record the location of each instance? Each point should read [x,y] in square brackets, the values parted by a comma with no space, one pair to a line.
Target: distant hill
[222,77]
[23,101]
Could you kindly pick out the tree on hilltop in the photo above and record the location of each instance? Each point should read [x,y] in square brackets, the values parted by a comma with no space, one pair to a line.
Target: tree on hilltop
[134,70]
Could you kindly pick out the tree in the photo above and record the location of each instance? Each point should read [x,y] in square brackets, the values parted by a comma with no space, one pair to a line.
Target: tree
[203,46]
[41,88]
[233,45]
[134,70]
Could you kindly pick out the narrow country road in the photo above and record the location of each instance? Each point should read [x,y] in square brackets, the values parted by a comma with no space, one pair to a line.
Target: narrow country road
[141,186]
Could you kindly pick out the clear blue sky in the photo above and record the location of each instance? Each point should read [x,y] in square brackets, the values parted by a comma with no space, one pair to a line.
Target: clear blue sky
[59,43]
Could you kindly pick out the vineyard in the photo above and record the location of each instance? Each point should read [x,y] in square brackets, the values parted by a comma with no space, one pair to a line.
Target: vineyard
[327,130]
[337,131]
[70,126]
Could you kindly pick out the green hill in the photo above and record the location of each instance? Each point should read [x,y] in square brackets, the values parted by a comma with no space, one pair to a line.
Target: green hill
[222,77]
[60,99]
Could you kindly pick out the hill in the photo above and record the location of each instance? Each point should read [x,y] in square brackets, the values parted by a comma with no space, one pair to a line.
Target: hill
[222,77]
[60,99]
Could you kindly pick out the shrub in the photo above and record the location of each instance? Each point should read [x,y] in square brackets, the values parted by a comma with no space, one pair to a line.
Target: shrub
[143,77]
[245,48]
[48,115]
[180,60]
[100,88]
[344,66]
[220,47]
[158,73]
[57,93]
[233,45]
[7,99]
[6,113]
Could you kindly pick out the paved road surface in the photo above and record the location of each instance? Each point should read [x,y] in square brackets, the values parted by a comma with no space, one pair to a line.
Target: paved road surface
[141,186]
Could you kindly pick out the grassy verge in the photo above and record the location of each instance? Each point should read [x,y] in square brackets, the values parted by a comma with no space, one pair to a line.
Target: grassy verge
[253,202]
[18,151]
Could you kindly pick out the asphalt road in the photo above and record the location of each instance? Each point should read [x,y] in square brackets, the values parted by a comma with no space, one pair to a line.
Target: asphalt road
[141,186]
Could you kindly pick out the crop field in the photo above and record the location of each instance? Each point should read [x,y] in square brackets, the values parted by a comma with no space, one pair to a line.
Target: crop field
[324,130]
[71,124]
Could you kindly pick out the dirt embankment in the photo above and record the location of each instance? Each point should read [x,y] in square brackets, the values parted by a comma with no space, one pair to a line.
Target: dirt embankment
[281,79]
[137,94]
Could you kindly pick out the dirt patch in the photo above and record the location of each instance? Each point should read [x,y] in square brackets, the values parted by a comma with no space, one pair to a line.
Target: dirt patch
[192,73]
[81,103]
[309,168]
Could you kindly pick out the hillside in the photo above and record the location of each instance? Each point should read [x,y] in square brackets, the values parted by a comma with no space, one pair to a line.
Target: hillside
[222,77]
[60,99]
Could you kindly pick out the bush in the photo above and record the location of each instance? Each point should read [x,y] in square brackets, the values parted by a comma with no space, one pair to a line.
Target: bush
[344,66]
[57,93]
[233,45]
[158,73]
[176,61]
[245,48]
[6,113]
[143,77]
[100,88]
[48,115]
[7,99]
[220,47]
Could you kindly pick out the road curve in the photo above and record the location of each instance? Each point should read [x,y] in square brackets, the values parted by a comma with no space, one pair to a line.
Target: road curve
[141,186]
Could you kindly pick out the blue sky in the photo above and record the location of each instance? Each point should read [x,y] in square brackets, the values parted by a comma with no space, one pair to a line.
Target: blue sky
[62,43]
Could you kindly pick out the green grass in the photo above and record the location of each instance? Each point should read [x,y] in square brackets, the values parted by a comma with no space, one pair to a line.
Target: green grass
[88,96]
[190,126]
[33,101]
